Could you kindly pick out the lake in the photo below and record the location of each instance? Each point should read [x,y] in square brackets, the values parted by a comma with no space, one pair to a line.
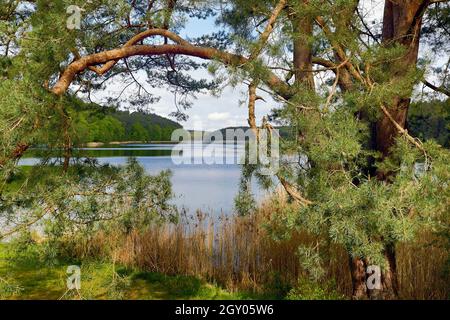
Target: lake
[201,179]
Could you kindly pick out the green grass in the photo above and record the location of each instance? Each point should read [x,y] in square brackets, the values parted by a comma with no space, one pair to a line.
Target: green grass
[27,277]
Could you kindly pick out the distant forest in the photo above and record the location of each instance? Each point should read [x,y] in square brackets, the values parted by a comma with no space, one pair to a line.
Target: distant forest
[107,124]
[426,120]
[430,120]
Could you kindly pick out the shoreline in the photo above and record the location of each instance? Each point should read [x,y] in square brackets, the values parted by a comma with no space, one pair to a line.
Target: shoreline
[99,144]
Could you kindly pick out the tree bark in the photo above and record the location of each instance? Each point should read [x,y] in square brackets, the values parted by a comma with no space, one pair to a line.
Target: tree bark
[302,59]
[389,279]
[358,269]
[402,22]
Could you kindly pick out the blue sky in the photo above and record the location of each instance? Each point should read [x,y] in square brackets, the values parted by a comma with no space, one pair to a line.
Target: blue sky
[208,112]
[211,113]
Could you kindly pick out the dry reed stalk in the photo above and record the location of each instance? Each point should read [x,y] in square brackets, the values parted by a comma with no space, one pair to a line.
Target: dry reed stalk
[239,254]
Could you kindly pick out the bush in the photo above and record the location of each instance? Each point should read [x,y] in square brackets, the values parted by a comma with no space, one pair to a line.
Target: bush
[312,290]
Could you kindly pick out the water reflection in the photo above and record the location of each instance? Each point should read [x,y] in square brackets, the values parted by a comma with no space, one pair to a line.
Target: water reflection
[209,187]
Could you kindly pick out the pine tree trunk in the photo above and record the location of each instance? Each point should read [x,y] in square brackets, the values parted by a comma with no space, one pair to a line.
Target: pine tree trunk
[358,272]
[302,55]
[385,130]
[389,280]
[402,22]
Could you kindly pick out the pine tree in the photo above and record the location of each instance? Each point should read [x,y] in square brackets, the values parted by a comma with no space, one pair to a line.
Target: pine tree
[345,83]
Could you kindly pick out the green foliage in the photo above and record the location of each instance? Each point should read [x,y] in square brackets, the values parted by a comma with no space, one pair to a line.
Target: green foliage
[100,126]
[29,278]
[430,120]
[87,198]
[311,290]
[94,123]
[361,200]
[157,128]
[367,217]
[138,132]
[8,288]
[98,129]
[244,202]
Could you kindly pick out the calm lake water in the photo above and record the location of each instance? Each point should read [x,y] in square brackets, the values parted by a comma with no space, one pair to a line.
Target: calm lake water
[201,180]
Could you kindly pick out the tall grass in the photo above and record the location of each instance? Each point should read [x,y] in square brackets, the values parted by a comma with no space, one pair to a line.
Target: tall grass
[239,254]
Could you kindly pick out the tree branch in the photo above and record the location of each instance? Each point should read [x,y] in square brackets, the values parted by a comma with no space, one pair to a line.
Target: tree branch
[109,59]
[251,106]
[290,190]
[268,30]
[340,52]
[137,38]
[401,130]
[435,88]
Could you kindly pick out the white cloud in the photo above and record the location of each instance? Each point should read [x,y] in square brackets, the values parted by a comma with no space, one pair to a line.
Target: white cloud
[208,112]
[218,116]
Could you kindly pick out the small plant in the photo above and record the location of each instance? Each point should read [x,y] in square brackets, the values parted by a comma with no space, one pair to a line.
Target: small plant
[9,288]
[118,285]
[312,290]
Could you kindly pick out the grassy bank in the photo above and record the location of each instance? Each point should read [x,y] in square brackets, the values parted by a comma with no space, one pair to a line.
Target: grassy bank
[164,260]
[25,276]
[233,258]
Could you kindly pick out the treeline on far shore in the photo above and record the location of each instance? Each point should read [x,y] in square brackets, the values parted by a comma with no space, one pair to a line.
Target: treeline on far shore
[107,124]
[426,120]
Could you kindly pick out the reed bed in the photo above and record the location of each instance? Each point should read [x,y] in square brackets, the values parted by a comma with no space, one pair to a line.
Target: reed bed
[232,251]
[240,255]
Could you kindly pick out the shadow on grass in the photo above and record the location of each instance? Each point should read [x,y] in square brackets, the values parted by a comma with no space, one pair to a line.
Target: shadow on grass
[30,278]
[43,280]
[147,285]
